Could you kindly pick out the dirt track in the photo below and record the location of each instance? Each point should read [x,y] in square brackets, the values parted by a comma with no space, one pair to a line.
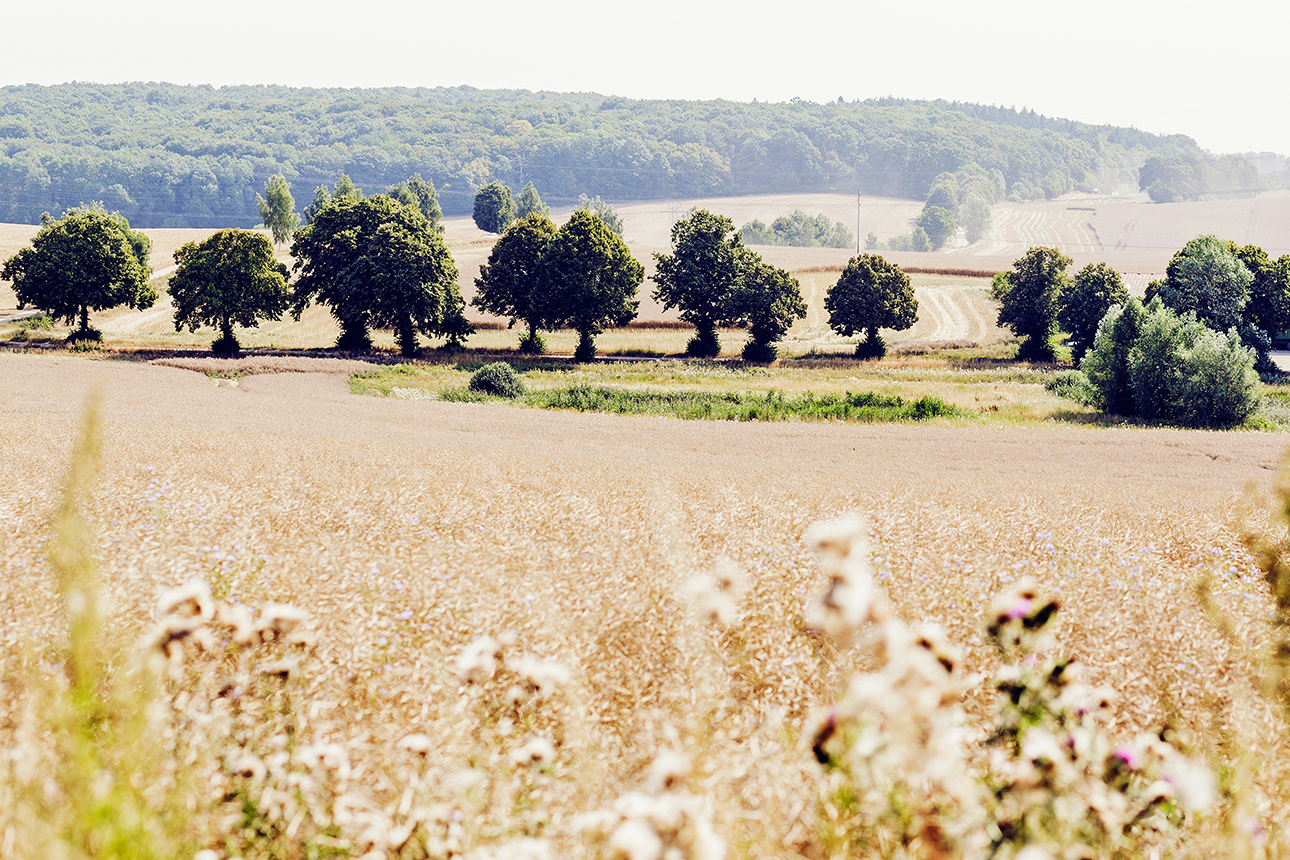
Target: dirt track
[160,415]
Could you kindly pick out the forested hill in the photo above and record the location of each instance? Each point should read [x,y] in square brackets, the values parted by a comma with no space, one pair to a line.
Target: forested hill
[168,155]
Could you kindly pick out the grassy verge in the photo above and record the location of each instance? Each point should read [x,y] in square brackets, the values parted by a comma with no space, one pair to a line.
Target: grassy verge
[863,407]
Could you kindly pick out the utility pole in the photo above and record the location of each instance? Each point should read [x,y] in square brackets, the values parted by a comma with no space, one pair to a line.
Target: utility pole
[857,222]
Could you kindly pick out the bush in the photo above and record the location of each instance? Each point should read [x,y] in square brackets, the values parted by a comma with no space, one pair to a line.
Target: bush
[755,352]
[498,379]
[1071,384]
[1155,364]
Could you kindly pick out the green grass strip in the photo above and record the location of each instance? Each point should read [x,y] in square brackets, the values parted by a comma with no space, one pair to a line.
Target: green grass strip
[865,407]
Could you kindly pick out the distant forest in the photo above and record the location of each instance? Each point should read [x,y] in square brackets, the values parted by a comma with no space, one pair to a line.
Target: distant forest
[196,156]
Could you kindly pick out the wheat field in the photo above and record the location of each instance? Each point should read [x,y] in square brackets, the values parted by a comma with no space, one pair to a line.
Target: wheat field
[563,549]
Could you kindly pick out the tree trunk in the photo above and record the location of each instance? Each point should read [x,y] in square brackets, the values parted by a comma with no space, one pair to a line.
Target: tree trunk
[586,346]
[406,335]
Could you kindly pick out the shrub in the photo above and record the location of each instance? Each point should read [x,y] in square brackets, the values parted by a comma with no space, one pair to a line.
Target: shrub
[759,353]
[1158,365]
[1071,384]
[498,379]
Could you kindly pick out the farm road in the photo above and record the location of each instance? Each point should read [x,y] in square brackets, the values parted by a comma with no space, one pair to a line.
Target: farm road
[160,416]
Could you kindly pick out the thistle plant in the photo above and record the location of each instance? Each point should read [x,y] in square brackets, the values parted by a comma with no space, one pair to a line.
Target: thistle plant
[909,778]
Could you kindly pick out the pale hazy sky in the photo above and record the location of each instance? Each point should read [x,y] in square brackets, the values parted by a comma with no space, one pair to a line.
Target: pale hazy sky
[1214,71]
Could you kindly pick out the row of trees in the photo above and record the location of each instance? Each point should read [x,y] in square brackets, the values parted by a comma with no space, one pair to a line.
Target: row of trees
[1226,286]
[799,230]
[711,278]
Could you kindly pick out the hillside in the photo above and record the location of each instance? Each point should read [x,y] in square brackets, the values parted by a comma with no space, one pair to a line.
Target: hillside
[195,156]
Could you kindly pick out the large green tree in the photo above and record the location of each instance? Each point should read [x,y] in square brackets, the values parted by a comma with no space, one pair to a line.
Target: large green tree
[278,209]
[506,282]
[1095,290]
[1028,298]
[494,208]
[229,279]
[871,293]
[768,300]
[700,275]
[377,262]
[1268,307]
[588,281]
[88,260]
[1209,279]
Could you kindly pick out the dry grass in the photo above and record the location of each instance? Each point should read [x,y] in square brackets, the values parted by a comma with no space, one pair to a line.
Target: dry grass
[407,529]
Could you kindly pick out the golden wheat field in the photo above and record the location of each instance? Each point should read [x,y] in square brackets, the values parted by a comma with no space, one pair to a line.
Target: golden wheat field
[352,626]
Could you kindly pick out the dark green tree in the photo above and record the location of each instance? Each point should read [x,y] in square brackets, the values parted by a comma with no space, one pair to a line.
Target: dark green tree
[420,193]
[1028,298]
[1268,307]
[88,260]
[700,276]
[588,281]
[412,279]
[278,209]
[530,202]
[505,283]
[1107,362]
[938,224]
[494,208]
[376,262]
[768,300]
[871,294]
[1207,278]
[228,279]
[1094,290]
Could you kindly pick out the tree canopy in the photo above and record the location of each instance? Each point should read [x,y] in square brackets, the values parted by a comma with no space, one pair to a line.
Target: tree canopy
[506,282]
[799,230]
[278,209]
[175,156]
[939,225]
[88,260]
[230,278]
[494,208]
[530,202]
[1207,278]
[768,300]
[700,275]
[871,293]
[418,192]
[588,281]
[1095,289]
[1028,298]
[377,262]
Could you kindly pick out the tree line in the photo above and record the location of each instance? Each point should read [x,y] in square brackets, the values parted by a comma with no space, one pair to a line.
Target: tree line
[1191,352]
[173,156]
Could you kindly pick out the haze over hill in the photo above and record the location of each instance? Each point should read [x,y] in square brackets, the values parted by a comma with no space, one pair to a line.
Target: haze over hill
[195,156]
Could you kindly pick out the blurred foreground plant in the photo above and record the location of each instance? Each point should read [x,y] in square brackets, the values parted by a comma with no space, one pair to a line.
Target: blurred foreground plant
[85,779]
[908,779]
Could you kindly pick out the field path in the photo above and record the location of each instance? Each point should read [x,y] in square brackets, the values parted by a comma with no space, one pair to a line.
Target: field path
[158,414]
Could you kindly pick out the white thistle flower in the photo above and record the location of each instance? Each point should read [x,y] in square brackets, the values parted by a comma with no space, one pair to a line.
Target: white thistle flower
[477,661]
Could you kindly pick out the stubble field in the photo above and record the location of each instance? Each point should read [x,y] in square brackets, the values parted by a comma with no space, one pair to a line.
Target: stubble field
[409,529]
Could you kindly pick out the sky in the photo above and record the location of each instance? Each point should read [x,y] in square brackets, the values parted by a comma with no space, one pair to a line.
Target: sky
[1215,72]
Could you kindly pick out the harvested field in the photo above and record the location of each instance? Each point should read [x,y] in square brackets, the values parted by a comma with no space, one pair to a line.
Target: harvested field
[409,528]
